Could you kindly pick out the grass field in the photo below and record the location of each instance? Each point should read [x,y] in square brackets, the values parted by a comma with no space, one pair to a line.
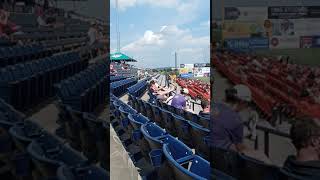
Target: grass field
[205,79]
[300,56]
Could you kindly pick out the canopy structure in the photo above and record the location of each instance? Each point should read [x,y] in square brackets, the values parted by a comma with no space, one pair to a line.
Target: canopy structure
[121,57]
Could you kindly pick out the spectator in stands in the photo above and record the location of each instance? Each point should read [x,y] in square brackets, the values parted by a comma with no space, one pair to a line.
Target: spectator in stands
[161,93]
[179,100]
[6,27]
[41,21]
[305,136]
[205,108]
[227,127]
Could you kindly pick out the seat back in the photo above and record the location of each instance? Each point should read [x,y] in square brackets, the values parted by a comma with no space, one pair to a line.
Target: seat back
[137,120]
[153,134]
[254,169]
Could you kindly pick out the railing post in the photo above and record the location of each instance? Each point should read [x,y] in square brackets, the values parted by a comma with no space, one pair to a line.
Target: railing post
[193,106]
[256,143]
[266,143]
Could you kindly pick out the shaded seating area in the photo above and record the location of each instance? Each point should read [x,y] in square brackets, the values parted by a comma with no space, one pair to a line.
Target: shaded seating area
[27,84]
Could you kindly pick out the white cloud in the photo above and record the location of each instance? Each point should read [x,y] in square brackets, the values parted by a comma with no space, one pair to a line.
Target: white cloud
[125,4]
[160,45]
[149,39]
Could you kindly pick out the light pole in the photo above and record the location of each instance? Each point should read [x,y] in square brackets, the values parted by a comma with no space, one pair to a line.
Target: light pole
[117,27]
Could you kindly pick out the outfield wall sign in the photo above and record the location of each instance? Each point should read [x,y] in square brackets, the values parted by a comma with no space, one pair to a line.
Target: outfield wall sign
[248,43]
[310,42]
[293,12]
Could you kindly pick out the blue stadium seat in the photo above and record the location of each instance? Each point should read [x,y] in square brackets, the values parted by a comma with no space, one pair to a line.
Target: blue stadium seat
[179,156]
[88,172]
[198,134]
[168,120]
[183,129]
[225,160]
[251,168]
[137,120]
[286,175]
[48,154]
[23,133]
[153,134]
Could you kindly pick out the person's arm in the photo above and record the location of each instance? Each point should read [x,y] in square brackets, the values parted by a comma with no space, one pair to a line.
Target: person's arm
[164,92]
[236,135]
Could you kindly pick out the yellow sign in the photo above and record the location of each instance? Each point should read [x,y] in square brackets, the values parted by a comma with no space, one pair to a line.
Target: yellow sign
[183,70]
[233,29]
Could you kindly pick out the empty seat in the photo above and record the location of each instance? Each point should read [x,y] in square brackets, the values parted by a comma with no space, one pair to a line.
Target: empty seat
[254,169]
[225,160]
[183,129]
[188,166]
[137,120]
[48,154]
[23,133]
[153,134]
[86,172]
[198,135]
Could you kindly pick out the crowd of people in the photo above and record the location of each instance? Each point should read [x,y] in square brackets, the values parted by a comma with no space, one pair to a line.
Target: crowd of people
[230,117]
[177,97]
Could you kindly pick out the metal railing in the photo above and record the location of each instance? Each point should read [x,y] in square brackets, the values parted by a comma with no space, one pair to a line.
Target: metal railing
[267,131]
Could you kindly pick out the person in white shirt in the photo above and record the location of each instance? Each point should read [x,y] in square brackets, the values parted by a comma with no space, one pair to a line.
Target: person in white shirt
[92,34]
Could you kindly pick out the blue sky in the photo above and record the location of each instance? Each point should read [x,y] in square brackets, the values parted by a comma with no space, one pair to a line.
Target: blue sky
[152,30]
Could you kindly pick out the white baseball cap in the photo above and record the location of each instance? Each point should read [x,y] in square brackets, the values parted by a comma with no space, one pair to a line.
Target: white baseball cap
[185,91]
[243,92]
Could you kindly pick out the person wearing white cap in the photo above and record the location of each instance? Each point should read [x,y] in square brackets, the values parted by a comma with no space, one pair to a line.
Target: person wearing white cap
[179,100]
[243,103]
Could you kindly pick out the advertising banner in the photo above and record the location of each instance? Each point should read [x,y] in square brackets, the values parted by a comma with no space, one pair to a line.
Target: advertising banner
[306,42]
[246,29]
[248,14]
[202,65]
[186,75]
[201,72]
[293,12]
[248,43]
[310,42]
[284,42]
[183,71]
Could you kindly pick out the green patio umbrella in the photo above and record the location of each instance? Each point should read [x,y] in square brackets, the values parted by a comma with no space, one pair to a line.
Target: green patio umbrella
[121,57]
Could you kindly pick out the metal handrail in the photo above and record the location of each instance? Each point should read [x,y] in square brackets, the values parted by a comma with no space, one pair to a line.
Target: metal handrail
[267,131]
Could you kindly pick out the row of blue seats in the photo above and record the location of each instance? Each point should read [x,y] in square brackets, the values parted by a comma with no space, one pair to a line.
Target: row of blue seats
[25,85]
[49,35]
[138,89]
[86,133]
[161,146]
[38,151]
[118,88]
[18,54]
[116,78]
[202,120]
[5,42]
[190,131]
[243,167]
[86,90]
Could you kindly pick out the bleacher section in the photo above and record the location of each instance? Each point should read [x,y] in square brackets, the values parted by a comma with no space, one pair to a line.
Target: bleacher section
[174,151]
[29,73]
[38,151]
[138,89]
[18,54]
[119,88]
[153,128]
[26,84]
[86,90]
